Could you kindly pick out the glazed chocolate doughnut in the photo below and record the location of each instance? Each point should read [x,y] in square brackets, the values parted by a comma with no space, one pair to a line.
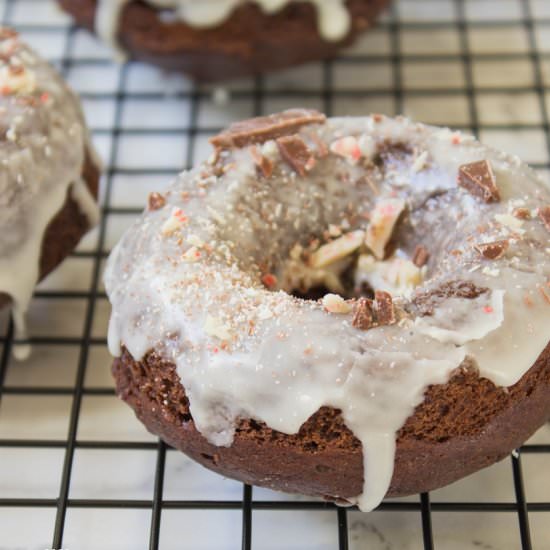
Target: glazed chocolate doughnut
[345,307]
[49,178]
[213,41]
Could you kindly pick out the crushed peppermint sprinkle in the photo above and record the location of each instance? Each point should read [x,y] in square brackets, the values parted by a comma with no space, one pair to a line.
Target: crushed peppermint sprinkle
[269,280]
[488,309]
[192,255]
[511,222]
[382,224]
[176,220]
[337,249]
[420,162]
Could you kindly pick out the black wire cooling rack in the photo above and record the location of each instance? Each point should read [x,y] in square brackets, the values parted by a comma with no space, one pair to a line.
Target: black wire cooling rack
[467,24]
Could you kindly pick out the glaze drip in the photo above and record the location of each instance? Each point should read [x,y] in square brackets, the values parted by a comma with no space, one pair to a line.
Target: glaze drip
[44,141]
[199,278]
[334,20]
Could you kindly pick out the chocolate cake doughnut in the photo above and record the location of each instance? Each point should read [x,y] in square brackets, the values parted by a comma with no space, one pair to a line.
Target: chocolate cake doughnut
[221,39]
[344,307]
[49,177]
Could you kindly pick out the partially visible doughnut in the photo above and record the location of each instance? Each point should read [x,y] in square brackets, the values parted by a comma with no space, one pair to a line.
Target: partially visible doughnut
[49,175]
[426,356]
[213,40]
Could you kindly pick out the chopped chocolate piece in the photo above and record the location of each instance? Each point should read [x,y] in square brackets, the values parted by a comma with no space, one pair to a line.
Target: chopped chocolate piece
[420,256]
[494,250]
[262,129]
[264,165]
[296,153]
[425,302]
[522,213]
[479,180]
[385,312]
[156,201]
[544,215]
[363,316]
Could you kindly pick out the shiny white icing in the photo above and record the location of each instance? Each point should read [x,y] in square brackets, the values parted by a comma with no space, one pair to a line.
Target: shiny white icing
[184,282]
[41,157]
[334,20]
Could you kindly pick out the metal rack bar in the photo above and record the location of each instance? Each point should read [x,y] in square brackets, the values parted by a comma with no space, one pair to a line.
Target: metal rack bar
[258,93]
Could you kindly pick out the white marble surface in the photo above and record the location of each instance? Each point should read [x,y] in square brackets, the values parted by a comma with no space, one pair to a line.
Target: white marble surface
[433,91]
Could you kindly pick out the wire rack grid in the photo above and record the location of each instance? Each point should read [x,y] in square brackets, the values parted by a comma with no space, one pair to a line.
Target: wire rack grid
[76,470]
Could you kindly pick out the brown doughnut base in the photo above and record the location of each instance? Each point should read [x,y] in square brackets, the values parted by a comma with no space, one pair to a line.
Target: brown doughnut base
[460,427]
[289,37]
[66,228]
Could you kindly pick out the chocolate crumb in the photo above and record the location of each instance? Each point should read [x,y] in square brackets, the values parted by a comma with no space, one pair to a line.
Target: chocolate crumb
[420,256]
[262,129]
[296,153]
[479,180]
[522,213]
[494,250]
[263,164]
[156,201]
[363,317]
[544,215]
[385,312]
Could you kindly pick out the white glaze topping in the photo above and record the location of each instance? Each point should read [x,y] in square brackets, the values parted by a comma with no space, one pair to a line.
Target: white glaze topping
[186,281]
[334,20]
[44,141]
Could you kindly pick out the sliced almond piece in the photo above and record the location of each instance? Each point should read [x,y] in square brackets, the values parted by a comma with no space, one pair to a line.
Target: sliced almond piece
[337,249]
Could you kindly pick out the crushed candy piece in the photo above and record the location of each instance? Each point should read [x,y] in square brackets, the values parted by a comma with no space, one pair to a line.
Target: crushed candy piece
[382,223]
[479,180]
[337,249]
[195,240]
[396,275]
[176,220]
[420,162]
[334,303]
[213,326]
[22,81]
[192,255]
[269,280]
[510,222]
